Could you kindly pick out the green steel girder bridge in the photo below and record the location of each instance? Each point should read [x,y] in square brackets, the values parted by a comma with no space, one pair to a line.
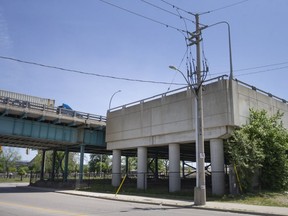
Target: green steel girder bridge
[30,125]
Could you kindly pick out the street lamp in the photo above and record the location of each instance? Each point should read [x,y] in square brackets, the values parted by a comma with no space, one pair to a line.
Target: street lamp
[200,189]
[174,68]
[112,98]
[230,46]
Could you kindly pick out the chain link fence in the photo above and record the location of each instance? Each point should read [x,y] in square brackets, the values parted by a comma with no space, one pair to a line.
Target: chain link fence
[99,181]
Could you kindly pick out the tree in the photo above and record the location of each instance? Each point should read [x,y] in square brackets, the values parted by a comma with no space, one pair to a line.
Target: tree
[260,145]
[99,163]
[162,165]
[9,157]
[59,164]
[132,164]
[21,172]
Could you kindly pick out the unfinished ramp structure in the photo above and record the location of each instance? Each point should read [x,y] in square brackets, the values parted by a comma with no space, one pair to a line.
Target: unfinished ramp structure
[164,126]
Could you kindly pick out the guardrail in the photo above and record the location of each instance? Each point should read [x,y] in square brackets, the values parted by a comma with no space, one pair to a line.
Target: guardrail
[164,94]
[205,82]
[54,110]
[259,90]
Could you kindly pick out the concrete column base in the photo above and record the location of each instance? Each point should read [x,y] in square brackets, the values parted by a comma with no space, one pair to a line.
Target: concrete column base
[142,168]
[174,168]
[217,166]
[116,168]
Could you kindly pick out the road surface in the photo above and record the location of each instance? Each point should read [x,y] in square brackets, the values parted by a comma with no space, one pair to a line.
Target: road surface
[18,199]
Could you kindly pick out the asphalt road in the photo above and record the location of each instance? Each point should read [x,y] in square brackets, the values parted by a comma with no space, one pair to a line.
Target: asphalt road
[24,201]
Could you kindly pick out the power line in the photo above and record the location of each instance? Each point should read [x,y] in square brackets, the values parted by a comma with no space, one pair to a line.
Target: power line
[87,73]
[142,16]
[258,67]
[183,10]
[224,7]
[211,11]
[174,6]
[262,71]
[167,11]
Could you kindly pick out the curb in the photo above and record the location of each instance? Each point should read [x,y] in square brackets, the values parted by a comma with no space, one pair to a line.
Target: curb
[163,202]
[175,205]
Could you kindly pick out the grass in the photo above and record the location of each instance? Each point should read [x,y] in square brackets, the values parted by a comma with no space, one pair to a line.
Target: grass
[11,180]
[264,198]
[158,191]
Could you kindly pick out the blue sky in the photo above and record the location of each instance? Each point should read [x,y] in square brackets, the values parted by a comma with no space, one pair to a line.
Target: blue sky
[95,37]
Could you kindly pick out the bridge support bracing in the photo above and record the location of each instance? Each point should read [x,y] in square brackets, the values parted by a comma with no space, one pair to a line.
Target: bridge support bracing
[142,168]
[127,164]
[174,168]
[43,165]
[217,166]
[116,168]
[66,164]
[81,170]
[156,173]
[53,164]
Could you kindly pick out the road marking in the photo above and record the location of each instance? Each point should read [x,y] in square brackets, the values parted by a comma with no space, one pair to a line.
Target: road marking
[42,209]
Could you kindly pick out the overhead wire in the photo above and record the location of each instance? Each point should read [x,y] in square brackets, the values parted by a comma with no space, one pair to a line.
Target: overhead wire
[168,89]
[174,6]
[190,59]
[140,15]
[262,71]
[187,54]
[224,7]
[87,73]
[189,68]
[181,9]
[190,62]
[205,64]
[170,12]
[257,67]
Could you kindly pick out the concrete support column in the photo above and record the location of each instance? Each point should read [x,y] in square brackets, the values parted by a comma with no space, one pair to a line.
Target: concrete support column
[81,170]
[53,165]
[142,168]
[174,168]
[116,168]
[43,165]
[66,164]
[156,174]
[217,166]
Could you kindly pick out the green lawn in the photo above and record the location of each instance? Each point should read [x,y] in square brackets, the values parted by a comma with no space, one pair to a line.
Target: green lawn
[14,180]
[263,199]
[161,191]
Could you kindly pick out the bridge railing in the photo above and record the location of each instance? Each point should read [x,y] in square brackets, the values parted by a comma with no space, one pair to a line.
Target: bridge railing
[55,110]
[261,91]
[165,94]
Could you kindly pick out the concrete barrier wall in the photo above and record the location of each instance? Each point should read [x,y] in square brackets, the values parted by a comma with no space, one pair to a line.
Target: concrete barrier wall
[246,98]
[171,118]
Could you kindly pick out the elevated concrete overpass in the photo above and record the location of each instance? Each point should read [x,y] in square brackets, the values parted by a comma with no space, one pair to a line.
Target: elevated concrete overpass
[37,126]
[165,125]
[162,126]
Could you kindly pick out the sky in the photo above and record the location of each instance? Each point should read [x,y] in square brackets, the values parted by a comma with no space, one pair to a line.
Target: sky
[136,40]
